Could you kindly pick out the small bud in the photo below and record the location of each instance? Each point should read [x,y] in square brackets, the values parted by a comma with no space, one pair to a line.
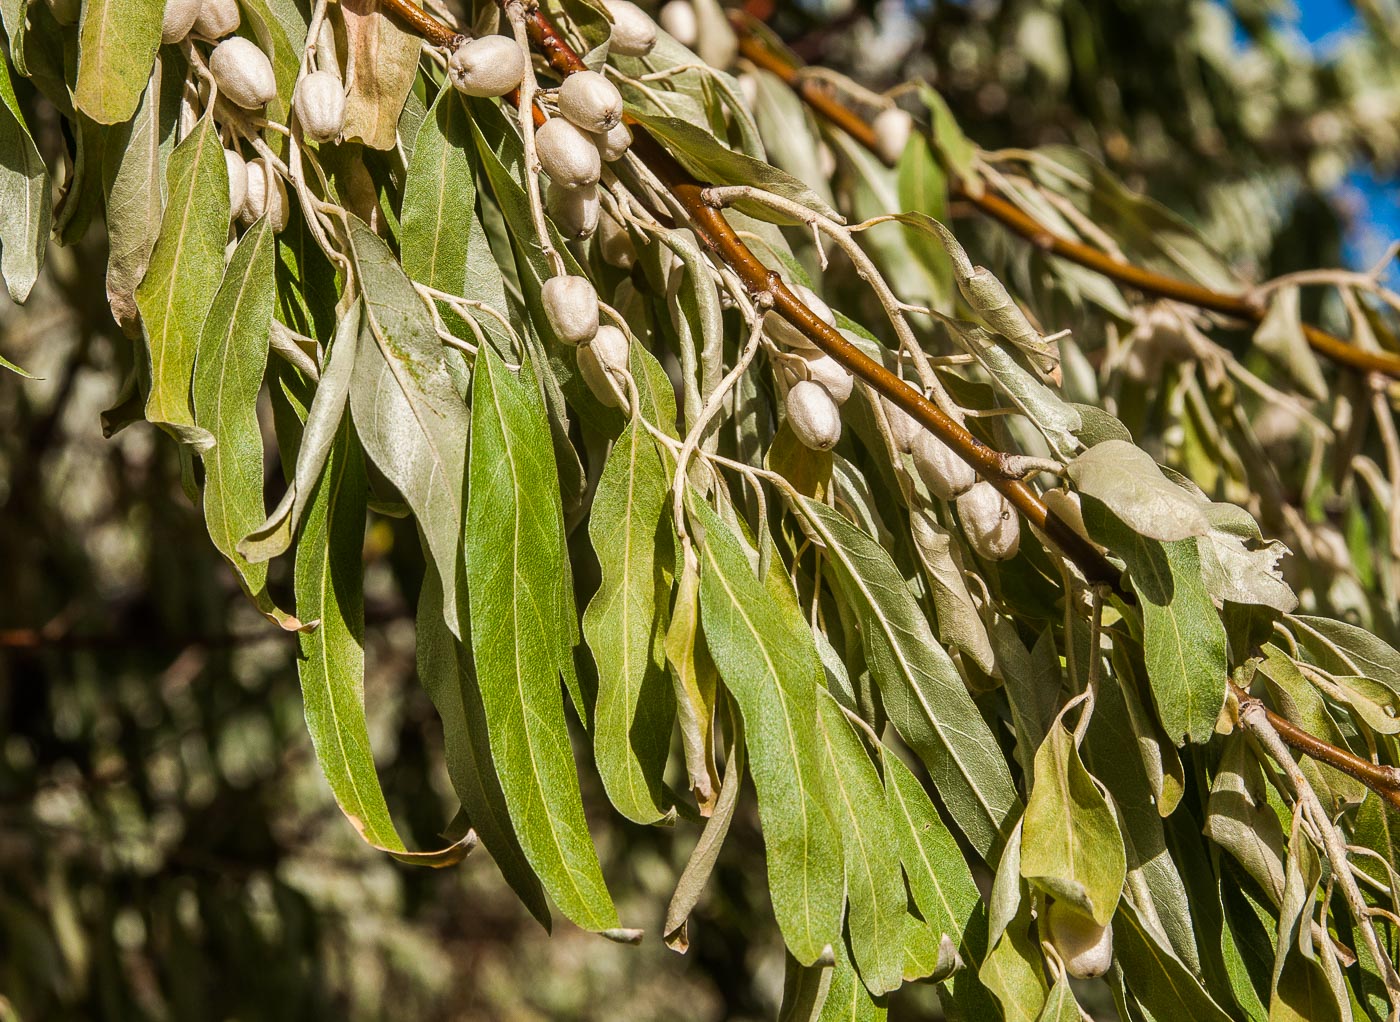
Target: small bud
[943,472]
[678,19]
[834,378]
[1083,945]
[590,101]
[567,154]
[784,333]
[990,522]
[243,73]
[615,244]
[813,416]
[601,361]
[319,102]
[217,18]
[892,129]
[178,19]
[614,143]
[237,182]
[575,211]
[489,66]
[633,34]
[571,306]
[267,194]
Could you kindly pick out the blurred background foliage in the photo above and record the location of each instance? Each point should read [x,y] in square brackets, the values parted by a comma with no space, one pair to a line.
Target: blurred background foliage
[168,849]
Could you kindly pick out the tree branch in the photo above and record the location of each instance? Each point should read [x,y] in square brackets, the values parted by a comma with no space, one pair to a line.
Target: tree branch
[1383,780]
[824,102]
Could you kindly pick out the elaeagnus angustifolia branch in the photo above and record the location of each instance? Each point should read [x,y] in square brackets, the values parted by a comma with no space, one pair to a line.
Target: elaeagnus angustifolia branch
[827,104]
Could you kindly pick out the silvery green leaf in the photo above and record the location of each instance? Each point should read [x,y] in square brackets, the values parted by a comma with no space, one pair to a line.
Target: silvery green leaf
[1159,980]
[231,358]
[1183,640]
[24,195]
[1343,648]
[847,1000]
[768,662]
[135,198]
[1071,845]
[960,626]
[440,197]
[407,412]
[514,564]
[329,590]
[185,269]
[625,626]
[117,43]
[1240,819]
[869,838]
[1126,479]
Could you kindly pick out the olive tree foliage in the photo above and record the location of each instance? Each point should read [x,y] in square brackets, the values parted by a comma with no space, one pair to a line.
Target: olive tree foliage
[1072,589]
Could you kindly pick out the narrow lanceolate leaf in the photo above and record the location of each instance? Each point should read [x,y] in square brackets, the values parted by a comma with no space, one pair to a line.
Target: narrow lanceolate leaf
[134,201]
[24,196]
[231,359]
[117,43]
[514,562]
[1183,638]
[938,877]
[769,663]
[411,420]
[923,693]
[329,590]
[274,535]
[446,671]
[184,273]
[869,837]
[1071,846]
[439,197]
[625,628]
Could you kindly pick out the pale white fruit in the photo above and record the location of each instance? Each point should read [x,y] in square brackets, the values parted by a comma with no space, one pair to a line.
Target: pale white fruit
[633,34]
[178,19]
[813,415]
[943,472]
[575,211]
[601,361]
[590,101]
[904,428]
[237,182]
[678,18]
[990,522]
[567,154]
[243,73]
[571,306]
[267,194]
[217,18]
[319,102]
[784,333]
[1083,945]
[615,244]
[835,379]
[892,129]
[613,143]
[489,66]
[66,12]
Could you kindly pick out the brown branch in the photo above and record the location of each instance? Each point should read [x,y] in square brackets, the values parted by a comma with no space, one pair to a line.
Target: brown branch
[825,102]
[1383,780]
